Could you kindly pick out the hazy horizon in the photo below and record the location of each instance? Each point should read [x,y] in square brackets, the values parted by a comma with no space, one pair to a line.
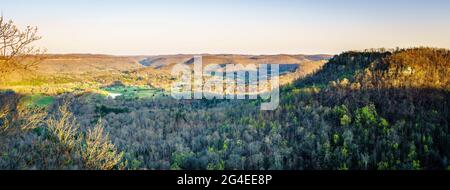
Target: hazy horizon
[231,27]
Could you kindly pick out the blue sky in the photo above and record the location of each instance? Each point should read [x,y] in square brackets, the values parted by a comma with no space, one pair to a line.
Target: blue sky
[231,26]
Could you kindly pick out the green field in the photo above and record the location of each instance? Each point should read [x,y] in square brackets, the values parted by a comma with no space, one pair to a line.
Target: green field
[38,100]
[133,92]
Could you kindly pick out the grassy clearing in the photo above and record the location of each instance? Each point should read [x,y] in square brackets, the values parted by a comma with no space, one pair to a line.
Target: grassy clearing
[38,100]
[132,92]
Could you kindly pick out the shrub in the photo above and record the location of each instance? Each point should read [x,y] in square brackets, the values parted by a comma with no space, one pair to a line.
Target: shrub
[98,152]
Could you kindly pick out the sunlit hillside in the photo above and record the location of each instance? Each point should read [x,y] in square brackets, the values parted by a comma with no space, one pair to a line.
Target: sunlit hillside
[57,74]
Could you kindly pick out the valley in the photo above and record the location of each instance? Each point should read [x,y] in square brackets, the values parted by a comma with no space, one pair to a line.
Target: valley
[86,73]
[372,109]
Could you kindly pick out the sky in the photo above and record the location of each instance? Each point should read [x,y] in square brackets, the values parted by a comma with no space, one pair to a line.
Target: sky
[151,27]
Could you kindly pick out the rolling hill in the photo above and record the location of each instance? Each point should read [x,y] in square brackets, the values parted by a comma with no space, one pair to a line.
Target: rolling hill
[59,73]
[165,62]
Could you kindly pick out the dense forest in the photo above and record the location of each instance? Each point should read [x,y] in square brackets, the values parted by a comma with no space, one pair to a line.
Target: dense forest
[374,109]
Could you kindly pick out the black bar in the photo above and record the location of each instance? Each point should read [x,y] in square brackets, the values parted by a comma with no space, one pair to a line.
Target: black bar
[170,179]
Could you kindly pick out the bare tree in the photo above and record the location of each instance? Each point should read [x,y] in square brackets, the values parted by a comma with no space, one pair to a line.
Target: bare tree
[16,49]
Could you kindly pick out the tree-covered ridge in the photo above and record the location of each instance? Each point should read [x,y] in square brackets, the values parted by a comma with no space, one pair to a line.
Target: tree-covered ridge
[347,65]
[362,110]
[413,68]
[393,110]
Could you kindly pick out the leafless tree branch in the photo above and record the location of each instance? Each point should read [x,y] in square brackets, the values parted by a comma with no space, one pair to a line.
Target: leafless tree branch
[16,49]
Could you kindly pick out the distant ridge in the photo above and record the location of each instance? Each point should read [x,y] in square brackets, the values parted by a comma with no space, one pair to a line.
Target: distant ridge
[78,63]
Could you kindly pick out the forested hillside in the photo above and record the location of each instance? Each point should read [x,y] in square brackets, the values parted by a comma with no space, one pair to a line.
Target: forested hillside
[362,110]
